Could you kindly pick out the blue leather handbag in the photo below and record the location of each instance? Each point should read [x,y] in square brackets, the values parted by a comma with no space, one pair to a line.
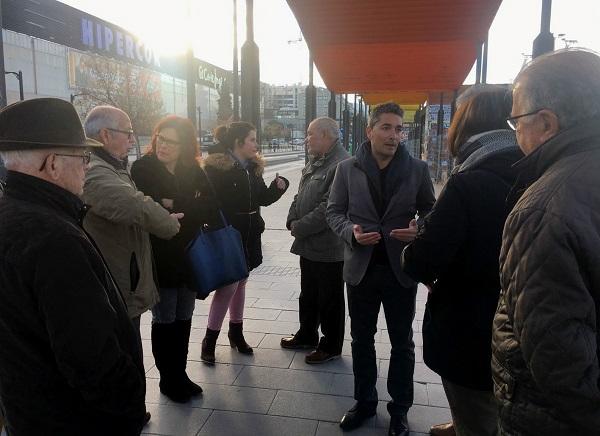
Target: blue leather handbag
[215,259]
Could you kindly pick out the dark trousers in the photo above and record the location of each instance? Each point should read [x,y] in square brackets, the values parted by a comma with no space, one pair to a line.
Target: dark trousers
[380,286]
[322,302]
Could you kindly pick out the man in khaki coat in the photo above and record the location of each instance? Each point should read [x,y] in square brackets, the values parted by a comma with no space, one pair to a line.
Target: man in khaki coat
[121,217]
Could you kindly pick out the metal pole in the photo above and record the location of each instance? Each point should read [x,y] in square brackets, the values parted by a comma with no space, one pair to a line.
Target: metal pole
[2,79]
[331,109]
[440,134]
[359,126]
[20,77]
[478,65]
[191,86]
[484,65]
[250,69]
[544,42]
[354,125]
[200,124]
[236,78]
[346,124]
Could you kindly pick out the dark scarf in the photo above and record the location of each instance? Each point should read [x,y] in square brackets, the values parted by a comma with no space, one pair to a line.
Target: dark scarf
[481,147]
[110,159]
[397,169]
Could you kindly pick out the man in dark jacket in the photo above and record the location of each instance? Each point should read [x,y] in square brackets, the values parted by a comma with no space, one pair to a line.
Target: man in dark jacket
[70,361]
[321,251]
[372,206]
[545,360]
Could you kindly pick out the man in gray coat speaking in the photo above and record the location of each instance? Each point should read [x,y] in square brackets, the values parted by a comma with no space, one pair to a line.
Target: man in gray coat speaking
[321,251]
[373,202]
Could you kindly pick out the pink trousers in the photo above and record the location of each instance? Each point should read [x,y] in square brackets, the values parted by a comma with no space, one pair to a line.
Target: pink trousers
[230,297]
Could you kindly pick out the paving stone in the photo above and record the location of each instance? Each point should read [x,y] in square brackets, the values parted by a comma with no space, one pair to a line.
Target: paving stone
[424,374]
[148,363]
[147,347]
[270,294]
[343,384]
[342,365]
[333,429]
[258,313]
[250,285]
[200,321]
[421,418]
[288,315]
[273,342]
[310,406]
[175,420]
[286,379]
[153,395]
[234,398]
[261,357]
[279,327]
[286,286]
[437,395]
[145,331]
[266,303]
[223,423]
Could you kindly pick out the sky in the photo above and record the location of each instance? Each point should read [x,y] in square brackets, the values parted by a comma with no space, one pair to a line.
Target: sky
[283,53]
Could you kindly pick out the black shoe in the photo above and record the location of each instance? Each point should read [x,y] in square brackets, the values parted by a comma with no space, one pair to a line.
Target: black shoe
[398,426]
[320,356]
[292,343]
[357,415]
[236,338]
[208,345]
[147,417]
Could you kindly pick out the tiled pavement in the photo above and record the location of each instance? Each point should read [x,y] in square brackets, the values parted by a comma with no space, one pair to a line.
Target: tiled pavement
[274,392]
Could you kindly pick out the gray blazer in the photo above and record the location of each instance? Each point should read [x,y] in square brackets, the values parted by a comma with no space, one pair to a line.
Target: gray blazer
[314,239]
[350,202]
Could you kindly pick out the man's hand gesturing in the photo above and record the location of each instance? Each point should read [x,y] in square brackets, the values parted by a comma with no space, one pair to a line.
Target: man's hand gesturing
[370,238]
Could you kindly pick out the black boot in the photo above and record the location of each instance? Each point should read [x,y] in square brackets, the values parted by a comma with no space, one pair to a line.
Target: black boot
[164,349]
[183,339]
[208,345]
[236,338]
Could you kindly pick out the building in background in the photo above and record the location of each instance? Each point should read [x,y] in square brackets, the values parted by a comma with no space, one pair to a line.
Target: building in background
[67,53]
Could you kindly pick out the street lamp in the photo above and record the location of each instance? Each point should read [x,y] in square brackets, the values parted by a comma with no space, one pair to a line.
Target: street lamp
[19,76]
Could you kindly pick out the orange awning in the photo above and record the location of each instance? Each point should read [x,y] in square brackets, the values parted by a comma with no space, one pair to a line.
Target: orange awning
[393,46]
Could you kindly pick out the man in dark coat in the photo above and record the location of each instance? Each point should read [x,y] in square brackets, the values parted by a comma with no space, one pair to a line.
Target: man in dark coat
[70,361]
[372,206]
[321,251]
[545,357]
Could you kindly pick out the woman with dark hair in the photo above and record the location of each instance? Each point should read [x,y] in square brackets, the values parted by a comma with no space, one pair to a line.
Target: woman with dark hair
[236,172]
[171,174]
[456,255]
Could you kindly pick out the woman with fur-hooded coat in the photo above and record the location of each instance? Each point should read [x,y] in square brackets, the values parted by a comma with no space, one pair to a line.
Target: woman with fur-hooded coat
[236,173]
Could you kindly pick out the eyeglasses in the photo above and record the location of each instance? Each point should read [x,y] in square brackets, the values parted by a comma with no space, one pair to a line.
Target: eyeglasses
[130,133]
[161,140]
[86,157]
[512,121]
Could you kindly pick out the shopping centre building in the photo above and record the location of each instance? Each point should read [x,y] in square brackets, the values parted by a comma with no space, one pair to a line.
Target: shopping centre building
[58,48]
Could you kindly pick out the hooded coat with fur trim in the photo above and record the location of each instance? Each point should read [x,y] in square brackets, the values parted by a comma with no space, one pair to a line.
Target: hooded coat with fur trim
[241,192]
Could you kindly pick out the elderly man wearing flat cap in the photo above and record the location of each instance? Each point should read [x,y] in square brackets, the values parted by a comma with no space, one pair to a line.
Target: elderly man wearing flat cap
[70,360]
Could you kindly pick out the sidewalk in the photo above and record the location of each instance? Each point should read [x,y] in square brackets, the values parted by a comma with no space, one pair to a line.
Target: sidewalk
[274,392]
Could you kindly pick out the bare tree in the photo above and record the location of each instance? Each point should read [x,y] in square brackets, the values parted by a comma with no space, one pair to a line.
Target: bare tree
[134,90]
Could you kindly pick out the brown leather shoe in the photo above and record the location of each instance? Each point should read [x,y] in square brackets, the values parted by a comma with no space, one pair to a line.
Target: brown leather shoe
[320,356]
[446,429]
